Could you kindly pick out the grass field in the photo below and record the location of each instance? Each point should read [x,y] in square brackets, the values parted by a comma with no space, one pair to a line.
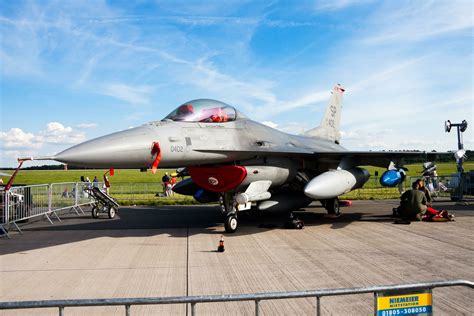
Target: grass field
[132,187]
[28,177]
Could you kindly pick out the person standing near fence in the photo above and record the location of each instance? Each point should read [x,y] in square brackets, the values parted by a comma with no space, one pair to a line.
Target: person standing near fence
[87,185]
[106,185]
[95,182]
[165,180]
[169,189]
[172,183]
[173,180]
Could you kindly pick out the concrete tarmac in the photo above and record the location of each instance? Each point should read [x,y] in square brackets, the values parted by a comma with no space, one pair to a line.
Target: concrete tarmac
[171,251]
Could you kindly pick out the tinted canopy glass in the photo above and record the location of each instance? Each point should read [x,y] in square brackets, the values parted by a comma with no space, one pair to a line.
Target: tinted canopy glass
[203,110]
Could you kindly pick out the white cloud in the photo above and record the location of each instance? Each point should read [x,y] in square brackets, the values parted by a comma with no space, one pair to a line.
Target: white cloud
[212,79]
[274,106]
[288,127]
[86,125]
[56,133]
[296,128]
[210,20]
[20,49]
[87,70]
[270,124]
[416,20]
[306,100]
[127,93]
[374,80]
[395,74]
[333,5]
[12,153]
[17,138]
[56,128]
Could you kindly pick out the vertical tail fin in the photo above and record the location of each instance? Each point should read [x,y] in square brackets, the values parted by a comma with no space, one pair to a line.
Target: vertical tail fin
[329,127]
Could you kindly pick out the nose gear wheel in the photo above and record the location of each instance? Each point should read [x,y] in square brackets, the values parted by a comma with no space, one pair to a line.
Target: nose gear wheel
[228,209]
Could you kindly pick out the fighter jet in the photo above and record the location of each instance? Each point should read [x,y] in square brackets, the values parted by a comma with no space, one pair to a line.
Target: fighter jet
[240,163]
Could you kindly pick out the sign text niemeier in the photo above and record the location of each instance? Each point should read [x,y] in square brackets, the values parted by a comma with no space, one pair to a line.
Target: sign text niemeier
[389,304]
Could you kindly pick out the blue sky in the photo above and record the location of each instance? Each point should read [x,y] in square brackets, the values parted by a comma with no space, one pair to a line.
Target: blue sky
[75,70]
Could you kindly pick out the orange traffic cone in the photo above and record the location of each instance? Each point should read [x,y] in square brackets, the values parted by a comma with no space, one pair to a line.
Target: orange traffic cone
[220,248]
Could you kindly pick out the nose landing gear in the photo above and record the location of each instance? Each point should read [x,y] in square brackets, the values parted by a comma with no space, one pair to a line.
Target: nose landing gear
[228,209]
[231,224]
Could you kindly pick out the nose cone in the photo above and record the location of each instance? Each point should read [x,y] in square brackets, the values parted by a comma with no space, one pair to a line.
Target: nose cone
[126,149]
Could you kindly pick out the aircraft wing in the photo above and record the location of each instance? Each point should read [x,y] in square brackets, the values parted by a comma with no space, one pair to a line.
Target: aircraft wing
[376,158]
[357,158]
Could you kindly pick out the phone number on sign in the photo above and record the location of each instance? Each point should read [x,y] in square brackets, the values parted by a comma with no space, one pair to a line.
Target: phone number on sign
[405,311]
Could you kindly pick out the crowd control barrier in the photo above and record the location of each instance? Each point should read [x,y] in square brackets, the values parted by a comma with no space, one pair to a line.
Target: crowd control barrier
[401,289]
[455,187]
[22,203]
[19,204]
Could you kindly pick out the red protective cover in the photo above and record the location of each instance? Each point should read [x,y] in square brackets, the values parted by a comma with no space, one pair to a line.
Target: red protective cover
[155,149]
[345,202]
[218,179]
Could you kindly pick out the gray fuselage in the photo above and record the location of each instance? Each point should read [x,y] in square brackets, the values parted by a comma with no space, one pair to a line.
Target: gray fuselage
[190,144]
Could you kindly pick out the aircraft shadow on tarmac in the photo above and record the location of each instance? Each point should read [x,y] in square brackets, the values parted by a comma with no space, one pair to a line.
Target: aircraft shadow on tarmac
[177,221]
[206,217]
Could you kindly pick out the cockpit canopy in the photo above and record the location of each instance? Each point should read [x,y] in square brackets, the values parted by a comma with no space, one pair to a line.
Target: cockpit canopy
[203,110]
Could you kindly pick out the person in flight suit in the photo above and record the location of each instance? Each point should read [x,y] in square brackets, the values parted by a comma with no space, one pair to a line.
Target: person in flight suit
[413,203]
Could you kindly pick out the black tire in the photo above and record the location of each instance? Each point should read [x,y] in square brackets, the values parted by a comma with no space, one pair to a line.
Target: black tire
[112,212]
[95,211]
[332,206]
[231,224]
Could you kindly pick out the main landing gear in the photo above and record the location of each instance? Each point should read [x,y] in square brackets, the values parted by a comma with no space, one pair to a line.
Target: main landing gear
[226,201]
[231,223]
[332,206]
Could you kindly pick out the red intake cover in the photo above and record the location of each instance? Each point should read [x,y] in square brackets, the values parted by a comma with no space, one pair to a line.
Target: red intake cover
[218,179]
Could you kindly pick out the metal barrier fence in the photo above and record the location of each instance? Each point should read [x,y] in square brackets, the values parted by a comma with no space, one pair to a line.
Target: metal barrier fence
[372,189]
[22,203]
[448,186]
[147,193]
[151,192]
[257,297]
[439,186]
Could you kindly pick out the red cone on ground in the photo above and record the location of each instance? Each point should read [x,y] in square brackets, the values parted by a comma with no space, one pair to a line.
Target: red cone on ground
[220,248]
